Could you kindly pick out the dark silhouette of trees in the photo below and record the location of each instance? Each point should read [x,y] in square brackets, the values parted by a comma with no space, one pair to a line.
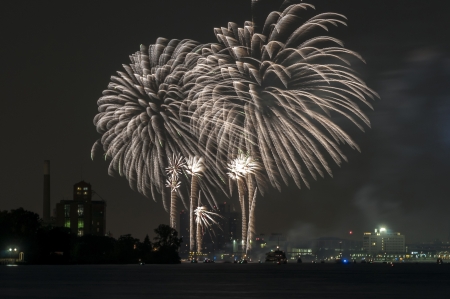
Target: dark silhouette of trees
[91,249]
[53,246]
[166,245]
[18,229]
[44,244]
[127,249]
[145,250]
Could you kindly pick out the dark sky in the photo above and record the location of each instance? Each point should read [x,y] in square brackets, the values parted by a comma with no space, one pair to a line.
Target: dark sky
[58,56]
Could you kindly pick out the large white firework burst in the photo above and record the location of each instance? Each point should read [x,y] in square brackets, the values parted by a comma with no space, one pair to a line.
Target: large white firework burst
[139,115]
[277,94]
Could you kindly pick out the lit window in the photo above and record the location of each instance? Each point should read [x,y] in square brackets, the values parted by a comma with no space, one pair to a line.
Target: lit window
[85,192]
[80,223]
[80,232]
[67,223]
[79,188]
[80,210]
[66,210]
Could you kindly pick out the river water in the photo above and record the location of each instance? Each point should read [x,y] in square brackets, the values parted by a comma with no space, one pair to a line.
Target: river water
[227,281]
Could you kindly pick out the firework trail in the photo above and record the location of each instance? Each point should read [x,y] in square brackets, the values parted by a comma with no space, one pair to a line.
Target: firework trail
[236,172]
[140,122]
[242,169]
[205,221]
[276,93]
[176,164]
[194,167]
[251,169]
[251,220]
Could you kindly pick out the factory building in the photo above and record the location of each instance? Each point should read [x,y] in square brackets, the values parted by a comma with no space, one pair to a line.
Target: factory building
[82,215]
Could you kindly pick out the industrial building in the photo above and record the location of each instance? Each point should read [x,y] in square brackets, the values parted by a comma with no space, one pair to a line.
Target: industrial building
[82,215]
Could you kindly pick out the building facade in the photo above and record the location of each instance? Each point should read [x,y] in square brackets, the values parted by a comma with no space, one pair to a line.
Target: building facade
[82,215]
[383,241]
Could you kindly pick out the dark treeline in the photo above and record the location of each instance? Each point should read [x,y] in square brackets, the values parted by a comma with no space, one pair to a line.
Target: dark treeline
[44,244]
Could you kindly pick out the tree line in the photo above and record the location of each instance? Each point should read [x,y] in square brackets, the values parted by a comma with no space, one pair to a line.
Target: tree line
[45,244]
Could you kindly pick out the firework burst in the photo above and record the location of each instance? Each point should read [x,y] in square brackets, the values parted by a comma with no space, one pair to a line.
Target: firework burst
[205,221]
[243,169]
[176,164]
[195,167]
[275,93]
[139,116]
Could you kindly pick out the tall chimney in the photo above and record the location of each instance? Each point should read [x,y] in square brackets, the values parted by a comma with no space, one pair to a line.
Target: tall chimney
[46,201]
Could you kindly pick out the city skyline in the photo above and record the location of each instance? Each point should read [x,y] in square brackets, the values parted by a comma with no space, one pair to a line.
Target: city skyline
[398,180]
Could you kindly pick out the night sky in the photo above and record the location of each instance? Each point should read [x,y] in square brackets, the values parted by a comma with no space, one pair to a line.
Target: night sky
[58,56]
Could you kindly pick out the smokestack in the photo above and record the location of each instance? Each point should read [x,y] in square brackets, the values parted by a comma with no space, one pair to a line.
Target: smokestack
[46,201]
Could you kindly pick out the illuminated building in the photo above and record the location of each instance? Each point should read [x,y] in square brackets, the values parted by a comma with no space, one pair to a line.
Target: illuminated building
[383,241]
[82,215]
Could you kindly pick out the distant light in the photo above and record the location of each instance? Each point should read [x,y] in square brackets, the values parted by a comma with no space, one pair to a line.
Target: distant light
[351,232]
[382,229]
[345,261]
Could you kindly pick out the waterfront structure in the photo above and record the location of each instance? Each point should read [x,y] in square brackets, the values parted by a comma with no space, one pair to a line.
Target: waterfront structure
[277,256]
[383,241]
[82,215]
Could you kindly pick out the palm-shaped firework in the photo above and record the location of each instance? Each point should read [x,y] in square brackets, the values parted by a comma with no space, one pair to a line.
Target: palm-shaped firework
[205,221]
[176,164]
[139,116]
[251,169]
[242,169]
[194,167]
[275,93]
